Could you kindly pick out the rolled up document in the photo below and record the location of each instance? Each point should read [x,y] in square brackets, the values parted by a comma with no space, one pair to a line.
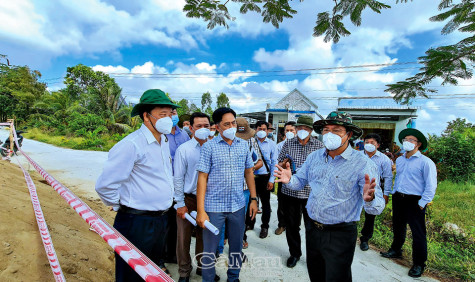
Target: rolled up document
[208,224]
[190,219]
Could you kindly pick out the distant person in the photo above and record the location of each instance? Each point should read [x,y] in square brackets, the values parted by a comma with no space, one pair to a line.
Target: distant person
[185,178]
[295,151]
[264,177]
[270,133]
[225,163]
[212,130]
[372,142]
[414,188]
[359,144]
[289,133]
[137,181]
[342,182]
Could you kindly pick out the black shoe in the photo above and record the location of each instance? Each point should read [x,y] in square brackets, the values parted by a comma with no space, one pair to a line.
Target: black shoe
[249,227]
[364,245]
[171,260]
[199,272]
[292,261]
[216,278]
[391,254]
[263,233]
[184,279]
[416,270]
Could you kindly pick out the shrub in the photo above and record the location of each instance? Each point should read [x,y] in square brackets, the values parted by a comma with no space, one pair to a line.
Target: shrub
[85,122]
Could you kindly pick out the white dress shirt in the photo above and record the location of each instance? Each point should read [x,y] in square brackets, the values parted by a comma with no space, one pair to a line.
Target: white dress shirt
[138,173]
[185,177]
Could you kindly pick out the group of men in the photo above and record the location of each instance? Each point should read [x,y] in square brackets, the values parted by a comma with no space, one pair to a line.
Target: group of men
[157,175]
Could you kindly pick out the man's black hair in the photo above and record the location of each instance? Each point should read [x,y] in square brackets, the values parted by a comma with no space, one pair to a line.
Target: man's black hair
[292,123]
[261,122]
[146,109]
[373,136]
[211,123]
[198,115]
[219,113]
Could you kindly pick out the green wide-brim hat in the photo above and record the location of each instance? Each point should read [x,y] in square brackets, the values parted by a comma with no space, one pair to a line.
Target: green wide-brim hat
[153,97]
[304,120]
[416,133]
[339,118]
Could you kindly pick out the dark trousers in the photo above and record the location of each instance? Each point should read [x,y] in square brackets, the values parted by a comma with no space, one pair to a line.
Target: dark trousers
[170,246]
[147,234]
[294,208]
[406,210]
[330,252]
[368,227]
[264,196]
[280,206]
[184,230]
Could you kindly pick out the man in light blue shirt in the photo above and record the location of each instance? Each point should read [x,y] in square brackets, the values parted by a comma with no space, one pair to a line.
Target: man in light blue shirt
[372,141]
[224,164]
[185,177]
[339,179]
[414,188]
[264,176]
[137,182]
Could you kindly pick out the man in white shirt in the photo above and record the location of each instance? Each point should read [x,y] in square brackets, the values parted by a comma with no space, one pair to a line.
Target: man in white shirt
[137,181]
[187,157]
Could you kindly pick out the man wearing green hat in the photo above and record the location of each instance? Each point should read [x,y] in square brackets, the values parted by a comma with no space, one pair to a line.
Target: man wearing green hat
[414,188]
[295,152]
[137,181]
[342,182]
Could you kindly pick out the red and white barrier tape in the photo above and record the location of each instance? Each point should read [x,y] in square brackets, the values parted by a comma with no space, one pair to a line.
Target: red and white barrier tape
[144,267]
[43,227]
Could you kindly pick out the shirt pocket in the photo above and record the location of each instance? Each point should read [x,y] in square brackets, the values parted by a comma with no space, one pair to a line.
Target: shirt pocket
[342,187]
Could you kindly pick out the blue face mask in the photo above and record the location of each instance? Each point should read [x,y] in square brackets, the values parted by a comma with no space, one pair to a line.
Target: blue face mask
[270,135]
[175,120]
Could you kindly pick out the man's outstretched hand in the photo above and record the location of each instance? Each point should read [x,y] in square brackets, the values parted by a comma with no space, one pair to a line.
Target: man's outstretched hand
[368,188]
[284,174]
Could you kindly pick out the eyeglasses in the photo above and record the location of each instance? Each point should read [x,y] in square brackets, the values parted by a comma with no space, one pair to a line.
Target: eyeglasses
[229,124]
[336,131]
[409,140]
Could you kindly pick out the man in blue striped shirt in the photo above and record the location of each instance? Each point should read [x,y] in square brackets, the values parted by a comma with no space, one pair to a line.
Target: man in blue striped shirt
[342,182]
[414,188]
[225,162]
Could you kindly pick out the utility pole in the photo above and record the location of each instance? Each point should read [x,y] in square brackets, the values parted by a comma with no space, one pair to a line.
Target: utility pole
[12,122]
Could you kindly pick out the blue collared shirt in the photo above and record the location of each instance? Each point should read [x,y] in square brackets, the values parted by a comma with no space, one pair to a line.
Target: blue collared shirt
[385,170]
[175,140]
[185,175]
[138,173]
[416,176]
[225,165]
[336,194]
[269,153]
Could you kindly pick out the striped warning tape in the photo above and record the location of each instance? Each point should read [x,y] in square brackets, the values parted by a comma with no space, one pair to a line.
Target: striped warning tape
[146,268]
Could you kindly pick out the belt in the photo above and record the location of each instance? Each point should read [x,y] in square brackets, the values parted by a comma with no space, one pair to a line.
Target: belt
[129,210]
[190,195]
[322,226]
[406,195]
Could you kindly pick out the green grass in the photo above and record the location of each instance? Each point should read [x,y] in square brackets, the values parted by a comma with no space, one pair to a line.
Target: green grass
[102,143]
[450,256]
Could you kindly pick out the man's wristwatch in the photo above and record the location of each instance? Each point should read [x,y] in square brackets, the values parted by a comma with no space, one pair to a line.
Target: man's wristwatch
[254,198]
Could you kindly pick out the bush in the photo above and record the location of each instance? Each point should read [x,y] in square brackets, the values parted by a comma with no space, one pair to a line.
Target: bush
[454,154]
[83,123]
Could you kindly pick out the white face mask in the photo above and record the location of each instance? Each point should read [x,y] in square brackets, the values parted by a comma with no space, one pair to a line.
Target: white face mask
[212,133]
[230,133]
[408,146]
[261,134]
[302,134]
[369,147]
[289,135]
[164,125]
[202,133]
[331,141]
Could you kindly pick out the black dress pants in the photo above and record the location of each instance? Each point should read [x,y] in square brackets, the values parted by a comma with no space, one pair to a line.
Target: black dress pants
[406,210]
[264,196]
[280,206]
[368,227]
[294,208]
[330,251]
[147,234]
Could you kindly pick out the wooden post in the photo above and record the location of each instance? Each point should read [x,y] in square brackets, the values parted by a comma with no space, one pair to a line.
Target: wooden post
[12,122]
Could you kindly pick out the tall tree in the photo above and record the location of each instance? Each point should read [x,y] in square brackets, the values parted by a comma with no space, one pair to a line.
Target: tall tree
[222,100]
[449,63]
[206,101]
[184,108]
[194,108]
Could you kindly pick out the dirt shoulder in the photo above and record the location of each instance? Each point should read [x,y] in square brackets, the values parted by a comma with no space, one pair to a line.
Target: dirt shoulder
[82,254]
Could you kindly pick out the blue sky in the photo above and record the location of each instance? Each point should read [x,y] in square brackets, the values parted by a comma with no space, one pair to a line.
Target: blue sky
[155,37]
